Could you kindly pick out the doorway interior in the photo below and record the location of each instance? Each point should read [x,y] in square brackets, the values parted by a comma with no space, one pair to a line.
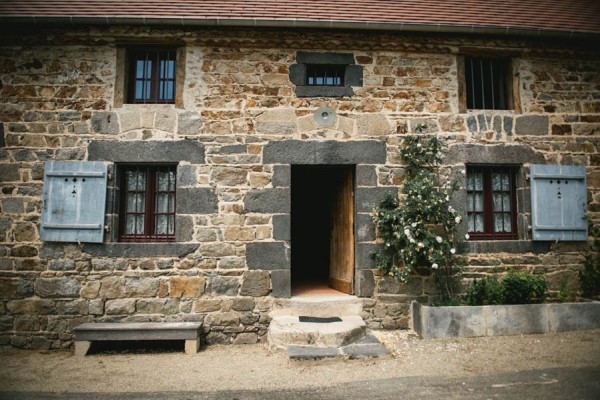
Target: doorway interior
[322,218]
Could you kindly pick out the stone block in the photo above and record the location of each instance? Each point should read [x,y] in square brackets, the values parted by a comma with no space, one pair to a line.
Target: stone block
[223,319]
[268,201]
[120,306]
[281,283]
[268,256]
[243,304]
[31,307]
[57,287]
[157,306]
[282,227]
[224,285]
[325,152]
[105,122]
[186,175]
[373,125]
[532,125]
[74,307]
[282,176]
[365,283]
[23,251]
[256,283]
[13,206]
[277,122]
[246,338]
[206,305]
[363,255]
[366,175]
[186,286]
[96,307]
[234,149]
[10,172]
[226,176]
[370,197]
[197,201]
[365,228]
[184,231]
[492,154]
[300,352]
[62,265]
[15,288]
[189,123]
[147,151]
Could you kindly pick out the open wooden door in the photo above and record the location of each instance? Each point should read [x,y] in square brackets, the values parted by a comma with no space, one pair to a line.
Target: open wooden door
[341,271]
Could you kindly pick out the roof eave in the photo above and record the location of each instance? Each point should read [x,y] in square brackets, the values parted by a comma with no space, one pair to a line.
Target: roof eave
[280,23]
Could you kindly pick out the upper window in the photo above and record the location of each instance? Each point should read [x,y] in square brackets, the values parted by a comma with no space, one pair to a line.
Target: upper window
[325,74]
[147,203]
[152,76]
[491,202]
[487,83]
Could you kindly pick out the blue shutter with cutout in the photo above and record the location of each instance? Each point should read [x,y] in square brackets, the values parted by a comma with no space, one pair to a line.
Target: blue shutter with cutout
[73,201]
[558,202]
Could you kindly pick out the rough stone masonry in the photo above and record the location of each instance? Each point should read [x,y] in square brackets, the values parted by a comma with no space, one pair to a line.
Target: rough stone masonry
[235,129]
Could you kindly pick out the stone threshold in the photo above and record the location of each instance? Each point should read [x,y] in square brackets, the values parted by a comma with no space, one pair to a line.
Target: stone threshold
[366,347]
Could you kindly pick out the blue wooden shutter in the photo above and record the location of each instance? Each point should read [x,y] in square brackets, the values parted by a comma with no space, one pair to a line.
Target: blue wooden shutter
[558,202]
[73,201]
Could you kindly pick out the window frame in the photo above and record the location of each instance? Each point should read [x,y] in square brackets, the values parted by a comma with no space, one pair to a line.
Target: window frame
[510,78]
[149,212]
[488,211]
[157,55]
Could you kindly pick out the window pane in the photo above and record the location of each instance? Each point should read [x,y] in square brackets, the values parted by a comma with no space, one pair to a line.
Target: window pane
[164,225]
[136,202]
[502,223]
[136,180]
[165,203]
[501,201]
[475,202]
[476,223]
[135,225]
[165,181]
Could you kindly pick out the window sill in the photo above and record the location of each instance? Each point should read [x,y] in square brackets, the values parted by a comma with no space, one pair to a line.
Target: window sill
[324,91]
[504,246]
[140,249]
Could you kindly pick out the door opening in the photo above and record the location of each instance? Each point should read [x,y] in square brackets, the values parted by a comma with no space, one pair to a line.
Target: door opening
[322,229]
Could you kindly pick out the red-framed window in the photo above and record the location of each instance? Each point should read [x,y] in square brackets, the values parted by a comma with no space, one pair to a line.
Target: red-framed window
[152,76]
[491,203]
[147,212]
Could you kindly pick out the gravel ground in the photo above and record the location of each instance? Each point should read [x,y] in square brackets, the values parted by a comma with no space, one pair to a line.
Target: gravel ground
[253,367]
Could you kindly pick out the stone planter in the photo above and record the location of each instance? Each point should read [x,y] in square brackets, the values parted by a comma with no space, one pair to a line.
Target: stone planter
[471,321]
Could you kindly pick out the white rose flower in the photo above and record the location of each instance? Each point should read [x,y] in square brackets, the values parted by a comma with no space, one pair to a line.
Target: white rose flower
[407,232]
[467,236]
[412,240]
[414,224]
[458,219]
[418,144]
[434,266]
[421,244]
[452,250]
[439,239]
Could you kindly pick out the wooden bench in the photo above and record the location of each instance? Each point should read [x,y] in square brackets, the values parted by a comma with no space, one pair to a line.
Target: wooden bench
[90,332]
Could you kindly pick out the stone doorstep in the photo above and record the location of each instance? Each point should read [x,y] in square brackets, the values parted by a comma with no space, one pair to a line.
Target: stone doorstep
[318,305]
[366,347]
[288,330]
[105,331]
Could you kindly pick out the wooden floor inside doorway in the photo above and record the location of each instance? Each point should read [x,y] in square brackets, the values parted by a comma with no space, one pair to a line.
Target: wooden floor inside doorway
[313,287]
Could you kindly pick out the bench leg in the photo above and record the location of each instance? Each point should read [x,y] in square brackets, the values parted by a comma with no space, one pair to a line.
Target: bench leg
[82,347]
[192,346]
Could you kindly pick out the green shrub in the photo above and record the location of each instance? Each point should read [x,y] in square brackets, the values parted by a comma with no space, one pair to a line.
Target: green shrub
[524,288]
[589,277]
[487,291]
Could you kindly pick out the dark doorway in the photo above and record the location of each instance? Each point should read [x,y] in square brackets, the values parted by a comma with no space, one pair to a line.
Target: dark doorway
[322,228]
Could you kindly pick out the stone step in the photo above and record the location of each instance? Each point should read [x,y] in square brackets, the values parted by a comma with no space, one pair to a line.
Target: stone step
[366,347]
[318,305]
[286,330]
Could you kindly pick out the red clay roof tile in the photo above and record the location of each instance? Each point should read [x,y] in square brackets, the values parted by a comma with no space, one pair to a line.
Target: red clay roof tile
[551,15]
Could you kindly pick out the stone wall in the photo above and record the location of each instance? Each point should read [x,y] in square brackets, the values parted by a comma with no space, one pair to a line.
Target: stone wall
[238,130]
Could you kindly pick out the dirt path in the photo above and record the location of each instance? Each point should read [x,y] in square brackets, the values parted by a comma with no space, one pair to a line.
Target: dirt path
[255,367]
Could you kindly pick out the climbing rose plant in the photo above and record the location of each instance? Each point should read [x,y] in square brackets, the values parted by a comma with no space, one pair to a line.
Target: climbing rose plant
[418,229]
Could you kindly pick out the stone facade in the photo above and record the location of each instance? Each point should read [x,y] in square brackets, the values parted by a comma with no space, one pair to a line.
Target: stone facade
[237,127]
